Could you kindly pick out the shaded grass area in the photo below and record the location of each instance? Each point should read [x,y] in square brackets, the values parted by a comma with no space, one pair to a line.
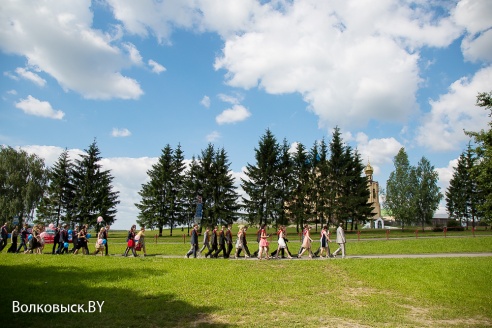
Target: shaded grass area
[156,292]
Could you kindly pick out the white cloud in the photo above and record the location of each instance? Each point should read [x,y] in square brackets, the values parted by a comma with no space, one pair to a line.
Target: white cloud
[156,67]
[33,77]
[455,111]
[57,39]
[213,136]
[234,100]
[33,106]
[235,114]
[133,52]
[474,16]
[377,151]
[205,102]
[121,132]
[12,92]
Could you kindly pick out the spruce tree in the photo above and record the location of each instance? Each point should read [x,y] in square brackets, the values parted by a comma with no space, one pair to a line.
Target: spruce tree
[262,181]
[154,206]
[58,203]
[94,194]
[300,205]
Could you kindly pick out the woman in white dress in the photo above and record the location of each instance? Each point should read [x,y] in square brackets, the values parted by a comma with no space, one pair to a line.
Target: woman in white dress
[281,242]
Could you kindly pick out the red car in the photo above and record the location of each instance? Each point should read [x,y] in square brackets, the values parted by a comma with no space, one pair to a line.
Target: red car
[48,236]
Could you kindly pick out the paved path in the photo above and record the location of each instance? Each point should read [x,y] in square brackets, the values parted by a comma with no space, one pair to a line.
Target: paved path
[381,256]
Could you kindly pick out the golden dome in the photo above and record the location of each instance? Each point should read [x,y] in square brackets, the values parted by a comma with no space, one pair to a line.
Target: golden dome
[369,170]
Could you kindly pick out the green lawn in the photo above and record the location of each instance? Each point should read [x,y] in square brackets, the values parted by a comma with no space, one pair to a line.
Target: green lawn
[176,292]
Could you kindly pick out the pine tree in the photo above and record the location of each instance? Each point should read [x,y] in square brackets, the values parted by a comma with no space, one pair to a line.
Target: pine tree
[285,183]
[58,202]
[462,196]
[300,205]
[156,195]
[94,195]
[357,192]
[262,181]
[335,170]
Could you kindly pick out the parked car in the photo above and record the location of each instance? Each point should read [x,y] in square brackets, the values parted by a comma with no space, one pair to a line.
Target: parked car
[49,235]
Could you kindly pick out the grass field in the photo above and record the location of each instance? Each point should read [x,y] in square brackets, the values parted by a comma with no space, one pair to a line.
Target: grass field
[174,292]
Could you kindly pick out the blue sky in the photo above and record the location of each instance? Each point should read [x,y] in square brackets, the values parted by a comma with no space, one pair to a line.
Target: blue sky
[137,75]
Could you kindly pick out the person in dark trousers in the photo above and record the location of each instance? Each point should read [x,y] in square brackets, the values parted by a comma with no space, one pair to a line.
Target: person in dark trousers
[4,235]
[75,239]
[13,239]
[23,238]
[213,242]
[56,240]
[131,241]
[193,241]
[106,233]
[62,240]
[258,238]
[228,237]
[245,243]
[221,244]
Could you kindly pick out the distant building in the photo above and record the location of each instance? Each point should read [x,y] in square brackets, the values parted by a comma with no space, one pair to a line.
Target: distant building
[373,187]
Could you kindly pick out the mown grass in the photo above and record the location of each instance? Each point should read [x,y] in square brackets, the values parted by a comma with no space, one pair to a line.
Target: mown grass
[172,292]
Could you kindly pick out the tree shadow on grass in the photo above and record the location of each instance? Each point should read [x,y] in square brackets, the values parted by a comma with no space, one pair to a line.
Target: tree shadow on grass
[123,306]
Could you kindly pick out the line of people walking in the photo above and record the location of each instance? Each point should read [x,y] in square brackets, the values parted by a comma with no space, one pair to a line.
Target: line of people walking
[217,241]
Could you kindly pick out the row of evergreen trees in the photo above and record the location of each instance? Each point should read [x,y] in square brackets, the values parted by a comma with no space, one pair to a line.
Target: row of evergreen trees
[469,195]
[78,191]
[317,186]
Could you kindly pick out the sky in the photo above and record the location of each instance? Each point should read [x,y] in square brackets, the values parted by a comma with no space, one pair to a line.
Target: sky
[138,75]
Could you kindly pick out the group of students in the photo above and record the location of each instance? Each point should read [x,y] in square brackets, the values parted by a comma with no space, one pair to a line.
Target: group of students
[217,241]
[32,240]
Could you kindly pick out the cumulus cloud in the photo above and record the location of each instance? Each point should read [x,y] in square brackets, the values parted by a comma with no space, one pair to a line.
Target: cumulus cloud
[33,106]
[474,16]
[455,111]
[133,52]
[156,67]
[58,39]
[377,151]
[121,132]
[235,114]
[205,102]
[31,76]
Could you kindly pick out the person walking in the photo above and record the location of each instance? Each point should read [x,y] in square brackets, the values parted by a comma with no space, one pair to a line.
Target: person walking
[221,244]
[264,245]
[306,243]
[281,242]
[228,237]
[13,239]
[130,241]
[82,241]
[99,242]
[194,242]
[206,240]
[106,234]
[324,241]
[140,241]
[213,242]
[340,241]
[23,238]
[56,240]
[63,240]
[4,236]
